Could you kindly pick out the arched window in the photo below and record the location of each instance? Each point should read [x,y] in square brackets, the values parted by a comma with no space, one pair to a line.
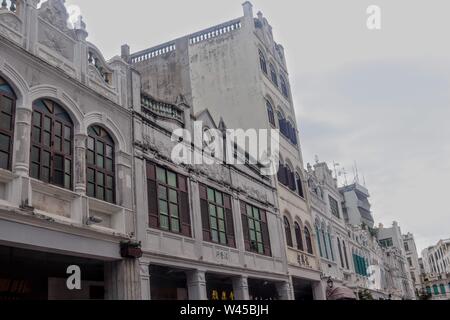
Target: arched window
[442,287]
[344,248]
[262,61]
[308,240]
[284,88]
[299,185]
[287,231]
[282,123]
[330,241]
[292,133]
[51,144]
[290,178]
[100,168]
[318,232]
[270,113]
[429,290]
[273,75]
[325,242]
[435,290]
[7,113]
[298,237]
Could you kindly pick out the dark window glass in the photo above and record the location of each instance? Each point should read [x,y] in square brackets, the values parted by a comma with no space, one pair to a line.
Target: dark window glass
[51,162]
[100,164]
[334,207]
[262,61]
[287,231]
[298,237]
[284,89]
[309,247]
[270,113]
[7,115]
[273,75]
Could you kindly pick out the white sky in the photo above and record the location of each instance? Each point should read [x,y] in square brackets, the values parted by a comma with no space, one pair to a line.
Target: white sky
[379,98]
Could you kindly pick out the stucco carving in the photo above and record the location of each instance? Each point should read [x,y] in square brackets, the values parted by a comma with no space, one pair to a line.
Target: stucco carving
[56,41]
[11,20]
[55,13]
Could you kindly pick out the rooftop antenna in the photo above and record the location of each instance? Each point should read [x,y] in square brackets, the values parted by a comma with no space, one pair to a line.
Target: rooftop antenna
[364,181]
[356,173]
[344,173]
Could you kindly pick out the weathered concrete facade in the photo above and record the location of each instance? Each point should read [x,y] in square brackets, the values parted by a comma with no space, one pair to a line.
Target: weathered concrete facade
[45,63]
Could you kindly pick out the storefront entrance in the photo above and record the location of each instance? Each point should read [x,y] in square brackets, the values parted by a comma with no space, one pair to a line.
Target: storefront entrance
[262,290]
[303,289]
[168,283]
[219,287]
[35,275]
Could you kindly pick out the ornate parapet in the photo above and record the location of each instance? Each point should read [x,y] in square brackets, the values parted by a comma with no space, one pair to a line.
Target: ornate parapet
[152,108]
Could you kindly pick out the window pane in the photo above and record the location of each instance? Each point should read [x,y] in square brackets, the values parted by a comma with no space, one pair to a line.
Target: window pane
[161,175]
[164,222]
[100,179]
[171,179]
[57,144]
[4,160]
[109,196]
[100,147]
[100,193]
[211,195]
[220,212]
[251,224]
[162,192]
[260,248]
[109,182]
[45,174]
[90,157]
[46,156]
[258,237]
[59,160]
[6,105]
[175,225]
[4,142]
[68,166]
[90,175]
[173,196]
[252,236]
[212,210]
[219,199]
[5,121]
[36,134]
[221,225]
[223,238]
[100,161]
[163,207]
[67,147]
[215,236]
[108,164]
[258,227]
[90,143]
[35,170]
[213,222]
[59,178]
[47,124]
[35,154]
[249,211]
[91,190]
[58,129]
[67,181]
[109,151]
[67,133]
[174,210]
[47,139]
[256,213]
[36,119]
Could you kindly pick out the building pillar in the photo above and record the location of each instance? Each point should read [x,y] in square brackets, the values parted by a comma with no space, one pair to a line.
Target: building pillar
[122,280]
[318,291]
[284,290]
[80,163]
[23,135]
[240,288]
[144,273]
[196,283]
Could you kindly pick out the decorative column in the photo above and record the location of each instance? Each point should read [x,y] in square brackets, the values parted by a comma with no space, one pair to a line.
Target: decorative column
[284,290]
[240,288]
[80,163]
[318,291]
[122,280]
[196,283]
[144,274]
[22,141]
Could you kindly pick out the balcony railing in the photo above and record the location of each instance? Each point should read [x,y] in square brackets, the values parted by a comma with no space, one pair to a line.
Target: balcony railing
[10,5]
[161,109]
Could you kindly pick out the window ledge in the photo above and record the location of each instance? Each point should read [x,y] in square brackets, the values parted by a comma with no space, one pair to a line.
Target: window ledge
[6,176]
[291,191]
[104,207]
[52,190]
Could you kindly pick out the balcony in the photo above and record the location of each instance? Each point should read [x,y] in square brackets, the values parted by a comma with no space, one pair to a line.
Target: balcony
[153,108]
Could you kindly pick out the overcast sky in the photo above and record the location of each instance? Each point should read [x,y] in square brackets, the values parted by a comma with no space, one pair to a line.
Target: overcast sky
[380,98]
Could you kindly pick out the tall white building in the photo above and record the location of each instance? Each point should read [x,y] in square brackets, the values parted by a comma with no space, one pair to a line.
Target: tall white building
[436,270]
[412,258]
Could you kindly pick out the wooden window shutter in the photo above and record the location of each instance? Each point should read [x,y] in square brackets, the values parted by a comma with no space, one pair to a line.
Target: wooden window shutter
[184,208]
[229,221]
[152,195]
[265,234]
[245,227]
[205,212]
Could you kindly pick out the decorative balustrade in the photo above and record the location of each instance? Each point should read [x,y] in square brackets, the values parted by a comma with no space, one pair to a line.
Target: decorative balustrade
[153,53]
[95,61]
[161,109]
[215,31]
[10,5]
